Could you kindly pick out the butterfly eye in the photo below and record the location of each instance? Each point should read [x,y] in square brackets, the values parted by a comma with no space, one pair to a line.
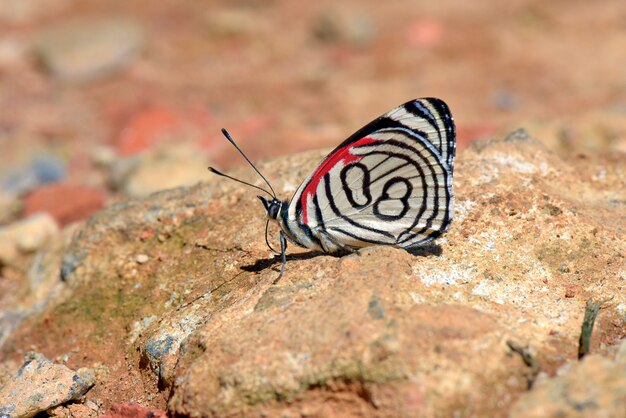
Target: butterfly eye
[274,209]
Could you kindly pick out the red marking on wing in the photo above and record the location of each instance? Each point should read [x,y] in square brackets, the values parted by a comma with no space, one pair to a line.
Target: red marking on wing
[339,155]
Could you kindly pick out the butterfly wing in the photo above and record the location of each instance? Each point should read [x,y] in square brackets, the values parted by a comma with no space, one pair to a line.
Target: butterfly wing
[389,183]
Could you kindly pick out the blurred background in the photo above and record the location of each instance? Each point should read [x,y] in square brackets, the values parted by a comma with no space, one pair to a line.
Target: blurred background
[100,101]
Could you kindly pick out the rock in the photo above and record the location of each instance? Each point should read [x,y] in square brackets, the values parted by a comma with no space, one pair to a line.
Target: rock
[139,327]
[30,285]
[505,100]
[25,11]
[466,134]
[7,370]
[595,387]
[9,207]
[11,53]
[162,349]
[120,170]
[70,262]
[40,170]
[66,202]
[91,405]
[202,330]
[163,168]
[603,130]
[40,385]
[103,156]
[368,312]
[27,235]
[35,231]
[349,26]
[232,22]
[141,258]
[9,322]
[87,49]
[133,411]
[48,169]
[146,128]
[426,33]
[16,11]
[73,410]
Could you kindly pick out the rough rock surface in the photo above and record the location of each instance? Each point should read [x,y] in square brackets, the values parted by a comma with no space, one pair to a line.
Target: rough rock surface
[595,387]
[40,385]
[197,326]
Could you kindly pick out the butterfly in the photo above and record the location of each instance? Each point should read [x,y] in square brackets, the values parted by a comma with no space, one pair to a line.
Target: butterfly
[389,183]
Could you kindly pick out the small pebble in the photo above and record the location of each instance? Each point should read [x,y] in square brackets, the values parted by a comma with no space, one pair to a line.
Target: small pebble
[9,207]
[64,201]
[146,129]
[103,156]
[27,235]
[11,52]
[166,168]
[40,170]
[21,12]
[344,25]
[505,100]
[425,33]
[38,229]
[87,49]
[141,258]
[133,409]
[232,22]
[121,169]
[48,168]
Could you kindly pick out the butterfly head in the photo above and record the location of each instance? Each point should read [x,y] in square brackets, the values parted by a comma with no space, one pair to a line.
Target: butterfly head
[272,207]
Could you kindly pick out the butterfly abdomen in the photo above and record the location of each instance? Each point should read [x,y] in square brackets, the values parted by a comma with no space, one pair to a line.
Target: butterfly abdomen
[297,232]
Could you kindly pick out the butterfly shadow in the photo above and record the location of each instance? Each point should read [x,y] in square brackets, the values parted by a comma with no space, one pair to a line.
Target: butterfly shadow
[427,250]
[265,263]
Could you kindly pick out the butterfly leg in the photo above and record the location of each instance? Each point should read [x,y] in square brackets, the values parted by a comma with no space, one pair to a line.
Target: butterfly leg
[283,255]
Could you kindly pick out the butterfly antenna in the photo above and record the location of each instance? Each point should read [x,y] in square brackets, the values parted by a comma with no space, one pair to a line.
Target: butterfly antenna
[219,173]
[230,139]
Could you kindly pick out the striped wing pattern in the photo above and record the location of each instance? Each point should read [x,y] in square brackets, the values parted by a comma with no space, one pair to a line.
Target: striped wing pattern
[389,183]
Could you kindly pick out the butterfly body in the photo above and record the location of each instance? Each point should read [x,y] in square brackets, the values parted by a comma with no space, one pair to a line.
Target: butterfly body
[390,183]
[293,230]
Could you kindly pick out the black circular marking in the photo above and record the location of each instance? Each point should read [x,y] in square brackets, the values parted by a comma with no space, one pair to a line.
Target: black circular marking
[421,165]
[365,183]
[404,200]
[423,210]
